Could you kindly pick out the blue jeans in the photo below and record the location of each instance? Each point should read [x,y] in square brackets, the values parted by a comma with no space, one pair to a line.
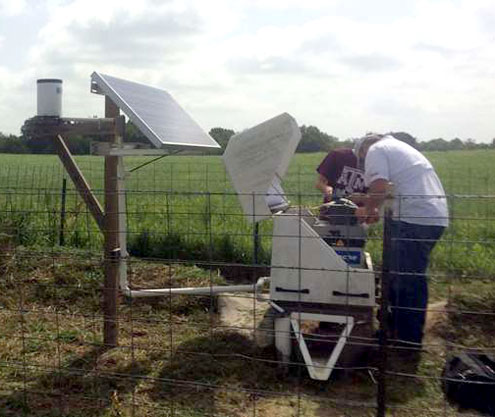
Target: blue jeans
[408,287]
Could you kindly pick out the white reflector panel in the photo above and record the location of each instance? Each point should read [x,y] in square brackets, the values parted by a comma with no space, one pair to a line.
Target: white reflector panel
[257,159]
[154,112]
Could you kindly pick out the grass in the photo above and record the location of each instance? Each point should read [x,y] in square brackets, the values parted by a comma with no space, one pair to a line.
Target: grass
[183,207]
[176,358]
[173,354]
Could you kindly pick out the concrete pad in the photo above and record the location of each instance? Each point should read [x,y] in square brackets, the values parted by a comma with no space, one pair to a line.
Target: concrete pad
[248,316]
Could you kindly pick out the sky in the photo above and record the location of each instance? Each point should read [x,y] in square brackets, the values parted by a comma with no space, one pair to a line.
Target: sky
[426,67]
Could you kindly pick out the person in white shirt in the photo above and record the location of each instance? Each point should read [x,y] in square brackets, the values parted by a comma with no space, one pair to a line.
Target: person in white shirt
[420,216]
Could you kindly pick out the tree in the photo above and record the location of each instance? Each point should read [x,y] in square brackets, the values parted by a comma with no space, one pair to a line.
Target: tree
[79,145]
[221,135]
[12,144]
[405,137]
[470,144]
[438,144]
[456,144]
[314,140]
[133,134]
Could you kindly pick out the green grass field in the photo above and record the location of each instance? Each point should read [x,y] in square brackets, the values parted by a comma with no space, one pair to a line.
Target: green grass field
[184,207]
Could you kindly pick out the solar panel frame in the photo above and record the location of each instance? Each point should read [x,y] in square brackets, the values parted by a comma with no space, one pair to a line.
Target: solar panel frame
[150,119]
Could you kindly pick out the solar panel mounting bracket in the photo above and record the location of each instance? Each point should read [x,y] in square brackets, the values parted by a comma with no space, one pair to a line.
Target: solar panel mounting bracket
[107,149]
[95,89]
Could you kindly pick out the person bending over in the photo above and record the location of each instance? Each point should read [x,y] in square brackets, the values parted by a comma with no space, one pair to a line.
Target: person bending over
[420,216]
[339,175]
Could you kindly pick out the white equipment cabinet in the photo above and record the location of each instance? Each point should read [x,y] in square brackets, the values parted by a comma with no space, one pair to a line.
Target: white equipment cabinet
[306,269]
[309,281]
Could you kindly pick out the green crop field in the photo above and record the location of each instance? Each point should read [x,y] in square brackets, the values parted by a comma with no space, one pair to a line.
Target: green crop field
[184,207]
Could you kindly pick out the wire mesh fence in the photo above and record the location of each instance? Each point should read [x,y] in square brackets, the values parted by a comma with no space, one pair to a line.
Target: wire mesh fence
[224,354]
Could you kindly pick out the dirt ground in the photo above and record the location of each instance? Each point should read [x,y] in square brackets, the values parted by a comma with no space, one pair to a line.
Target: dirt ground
[246,314]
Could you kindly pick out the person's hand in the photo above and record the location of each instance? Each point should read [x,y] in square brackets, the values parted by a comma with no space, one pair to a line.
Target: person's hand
[361,215]
[373,217]
[364,215]
[327,195]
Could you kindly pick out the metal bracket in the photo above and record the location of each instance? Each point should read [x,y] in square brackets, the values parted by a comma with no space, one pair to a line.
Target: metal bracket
[95,88]
[127,149]
[316,371]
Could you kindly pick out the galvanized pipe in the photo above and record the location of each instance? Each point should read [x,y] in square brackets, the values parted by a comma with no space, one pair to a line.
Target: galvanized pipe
[216,289]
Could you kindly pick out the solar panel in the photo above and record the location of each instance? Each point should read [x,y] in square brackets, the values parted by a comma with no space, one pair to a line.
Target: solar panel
[154,112]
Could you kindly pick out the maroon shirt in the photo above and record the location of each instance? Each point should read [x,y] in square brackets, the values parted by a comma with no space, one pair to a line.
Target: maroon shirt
[340,169]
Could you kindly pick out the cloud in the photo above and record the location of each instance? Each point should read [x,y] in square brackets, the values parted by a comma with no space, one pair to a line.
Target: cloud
[126,38]
[372,62]
[141,41]
[486,17]
[287,4]
[332,64]
[321,44]
[380,12]
[270,65]
[436,49]
[137,42]
[13,100]
[12,8]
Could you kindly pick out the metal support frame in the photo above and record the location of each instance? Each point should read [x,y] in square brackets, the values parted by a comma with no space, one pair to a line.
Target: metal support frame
[115,248]
[282,336]
[212,290]
[384,308]
[122,221]
[127,149]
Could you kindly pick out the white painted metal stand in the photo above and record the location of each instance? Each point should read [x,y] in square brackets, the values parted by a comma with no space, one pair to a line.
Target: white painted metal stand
[322,371]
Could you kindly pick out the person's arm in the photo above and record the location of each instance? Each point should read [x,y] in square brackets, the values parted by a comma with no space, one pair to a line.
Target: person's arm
[377,193]
[322,185]
[376,178]
[326,175]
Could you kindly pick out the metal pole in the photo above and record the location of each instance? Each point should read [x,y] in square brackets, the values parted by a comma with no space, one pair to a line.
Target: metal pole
[112,247]
[61,238]
[122,207]
[383,333]
[256,243]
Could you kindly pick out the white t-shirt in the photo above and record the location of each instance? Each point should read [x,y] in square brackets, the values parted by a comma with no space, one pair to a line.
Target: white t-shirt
[419,195]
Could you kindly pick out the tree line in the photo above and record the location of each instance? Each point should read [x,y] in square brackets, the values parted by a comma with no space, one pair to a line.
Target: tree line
[313,140]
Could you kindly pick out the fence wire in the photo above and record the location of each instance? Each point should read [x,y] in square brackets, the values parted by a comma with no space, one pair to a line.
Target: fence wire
[228,354]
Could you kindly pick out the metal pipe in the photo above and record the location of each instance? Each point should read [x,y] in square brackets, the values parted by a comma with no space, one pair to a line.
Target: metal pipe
[381,399]
[217,289]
